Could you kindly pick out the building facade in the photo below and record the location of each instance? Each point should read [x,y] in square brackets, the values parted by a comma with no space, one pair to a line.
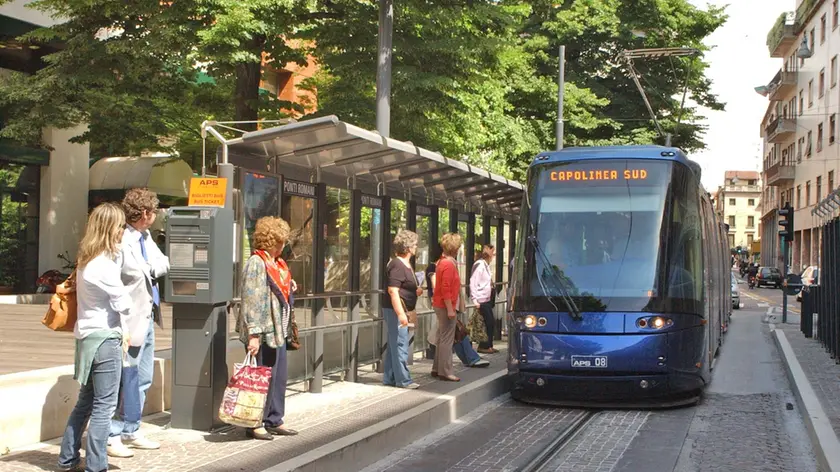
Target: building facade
[738,202]
[801,153]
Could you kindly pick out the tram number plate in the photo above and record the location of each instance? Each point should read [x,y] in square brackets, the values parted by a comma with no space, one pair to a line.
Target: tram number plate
[589,362]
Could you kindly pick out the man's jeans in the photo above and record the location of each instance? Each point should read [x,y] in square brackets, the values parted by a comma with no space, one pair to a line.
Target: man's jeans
[143,357]
[97,401]
[465,352]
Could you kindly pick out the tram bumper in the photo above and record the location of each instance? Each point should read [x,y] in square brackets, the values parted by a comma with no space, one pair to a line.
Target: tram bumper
[603,370]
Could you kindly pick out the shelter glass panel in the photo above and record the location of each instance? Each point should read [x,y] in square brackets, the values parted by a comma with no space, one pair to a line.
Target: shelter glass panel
[260,194]
[337,254]
[299,212]
[422,257]
[370,248]
[462,253]
[19,199]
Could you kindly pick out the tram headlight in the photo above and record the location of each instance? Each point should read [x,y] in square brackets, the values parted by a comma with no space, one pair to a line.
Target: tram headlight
[654,322]
[530,321]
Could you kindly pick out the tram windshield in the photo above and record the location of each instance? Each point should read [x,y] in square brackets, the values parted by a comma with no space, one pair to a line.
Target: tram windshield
[614,235]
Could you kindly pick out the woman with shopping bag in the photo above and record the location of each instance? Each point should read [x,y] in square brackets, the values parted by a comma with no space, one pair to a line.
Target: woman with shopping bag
[265,319]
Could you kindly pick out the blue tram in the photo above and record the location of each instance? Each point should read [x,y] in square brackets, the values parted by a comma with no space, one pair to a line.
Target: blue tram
[620,288]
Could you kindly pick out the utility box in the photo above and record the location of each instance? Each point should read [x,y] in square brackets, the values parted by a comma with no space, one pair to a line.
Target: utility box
[199,243]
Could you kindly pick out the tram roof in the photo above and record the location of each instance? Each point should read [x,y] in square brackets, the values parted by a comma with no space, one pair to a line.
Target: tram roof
[341,151]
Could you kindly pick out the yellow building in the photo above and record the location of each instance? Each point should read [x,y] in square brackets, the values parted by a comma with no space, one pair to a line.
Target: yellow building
[738,203]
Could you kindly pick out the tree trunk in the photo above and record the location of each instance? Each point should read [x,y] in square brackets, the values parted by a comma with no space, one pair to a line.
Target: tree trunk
[247,93]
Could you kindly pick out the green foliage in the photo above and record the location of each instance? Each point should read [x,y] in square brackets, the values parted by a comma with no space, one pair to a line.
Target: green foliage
[12,228]
[474,80]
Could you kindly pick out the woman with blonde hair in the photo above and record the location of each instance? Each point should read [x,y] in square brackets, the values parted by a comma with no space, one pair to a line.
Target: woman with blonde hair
[447,302]
[103,306]
[264,322]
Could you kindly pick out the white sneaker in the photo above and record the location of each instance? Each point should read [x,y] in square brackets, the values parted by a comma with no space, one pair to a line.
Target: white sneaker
[139,441]
[116,448]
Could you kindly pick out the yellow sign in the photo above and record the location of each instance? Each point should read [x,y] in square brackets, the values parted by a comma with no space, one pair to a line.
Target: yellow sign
[208,191]
[575,175]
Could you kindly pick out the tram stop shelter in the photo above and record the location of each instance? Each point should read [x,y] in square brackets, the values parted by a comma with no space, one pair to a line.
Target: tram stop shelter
[346,192]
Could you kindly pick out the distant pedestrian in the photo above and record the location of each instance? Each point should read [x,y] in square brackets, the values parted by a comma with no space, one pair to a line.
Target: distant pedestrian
[481,293]
[143,264]
[396,306]
[101,332]
[265,318]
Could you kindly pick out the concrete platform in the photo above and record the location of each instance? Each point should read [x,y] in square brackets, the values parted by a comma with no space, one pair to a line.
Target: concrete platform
[344,428]
[816,381]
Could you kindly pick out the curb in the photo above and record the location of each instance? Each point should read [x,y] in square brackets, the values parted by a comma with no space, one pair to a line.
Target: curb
[824,440]
[365,447]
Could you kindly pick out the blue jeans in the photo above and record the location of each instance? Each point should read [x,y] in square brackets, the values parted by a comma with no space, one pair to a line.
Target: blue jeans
[465,352]
[275,402]
[144,358]
[395,365]
[97,401]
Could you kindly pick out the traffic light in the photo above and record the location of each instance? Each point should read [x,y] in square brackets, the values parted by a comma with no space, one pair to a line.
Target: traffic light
[786,222]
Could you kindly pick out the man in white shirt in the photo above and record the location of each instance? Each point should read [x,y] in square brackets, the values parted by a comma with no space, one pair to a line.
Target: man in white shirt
[142,265]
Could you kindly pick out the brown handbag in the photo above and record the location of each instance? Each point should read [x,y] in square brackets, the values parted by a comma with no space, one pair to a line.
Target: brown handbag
[292,339]
[410,314]
[61,314]
[460,331]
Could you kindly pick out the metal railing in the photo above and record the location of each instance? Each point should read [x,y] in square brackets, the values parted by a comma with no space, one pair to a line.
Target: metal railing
[820,311]
[348,344]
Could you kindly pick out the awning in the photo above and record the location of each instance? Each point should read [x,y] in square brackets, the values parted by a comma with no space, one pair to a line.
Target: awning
[163,175]
[341,152]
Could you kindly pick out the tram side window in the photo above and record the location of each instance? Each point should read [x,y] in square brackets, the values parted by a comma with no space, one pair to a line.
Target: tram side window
[685,267]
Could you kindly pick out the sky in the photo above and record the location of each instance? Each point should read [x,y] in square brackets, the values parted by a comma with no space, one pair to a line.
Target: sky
[739,62]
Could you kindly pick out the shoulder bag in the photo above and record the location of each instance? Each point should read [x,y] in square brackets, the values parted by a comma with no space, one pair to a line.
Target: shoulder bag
[61,314]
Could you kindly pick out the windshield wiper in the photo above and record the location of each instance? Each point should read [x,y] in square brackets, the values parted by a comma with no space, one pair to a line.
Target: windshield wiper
[557,278]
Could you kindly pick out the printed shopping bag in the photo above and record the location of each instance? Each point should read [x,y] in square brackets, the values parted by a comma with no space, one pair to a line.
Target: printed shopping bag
[245,395]
[477,328]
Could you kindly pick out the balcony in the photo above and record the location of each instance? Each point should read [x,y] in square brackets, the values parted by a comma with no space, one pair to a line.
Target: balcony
[780,175]
[782,85]
[804,12]
[781,130]
[742,188]
[783,34]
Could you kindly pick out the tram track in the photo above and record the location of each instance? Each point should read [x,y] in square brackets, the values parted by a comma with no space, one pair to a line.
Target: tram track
[557,446]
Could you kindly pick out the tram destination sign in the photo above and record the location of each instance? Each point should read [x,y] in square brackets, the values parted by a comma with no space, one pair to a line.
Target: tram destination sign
[300,189]
[609,173]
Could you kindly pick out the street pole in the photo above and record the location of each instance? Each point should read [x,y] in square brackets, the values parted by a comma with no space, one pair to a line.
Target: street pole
[383,67]
[785,248]
[561,82]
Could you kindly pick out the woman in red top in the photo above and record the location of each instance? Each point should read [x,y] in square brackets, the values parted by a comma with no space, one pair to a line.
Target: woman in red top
[447,302]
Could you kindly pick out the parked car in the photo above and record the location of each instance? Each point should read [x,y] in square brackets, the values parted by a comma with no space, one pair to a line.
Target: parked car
[769,276]
[810,276]
[736,293]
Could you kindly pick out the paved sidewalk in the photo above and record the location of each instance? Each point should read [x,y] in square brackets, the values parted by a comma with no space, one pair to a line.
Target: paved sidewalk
[343,407]
[822,371]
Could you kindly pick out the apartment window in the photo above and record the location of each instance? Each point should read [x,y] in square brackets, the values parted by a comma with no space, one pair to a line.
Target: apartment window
[751,202]
[834,16]
[810,93]
[819,137]
[822,82]
[808,193]
[809,143]
[798,196]
[750,222]
[832,128]
[800,150]
[831,181]
[749,239]
[822,29]
[801,101]
[792,106]
[731,239]
[731,221]
[819,189]
[751,182]
[833,71]
[731,202]
[813,42]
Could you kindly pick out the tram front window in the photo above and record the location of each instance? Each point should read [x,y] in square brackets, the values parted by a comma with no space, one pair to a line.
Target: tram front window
[603,241]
